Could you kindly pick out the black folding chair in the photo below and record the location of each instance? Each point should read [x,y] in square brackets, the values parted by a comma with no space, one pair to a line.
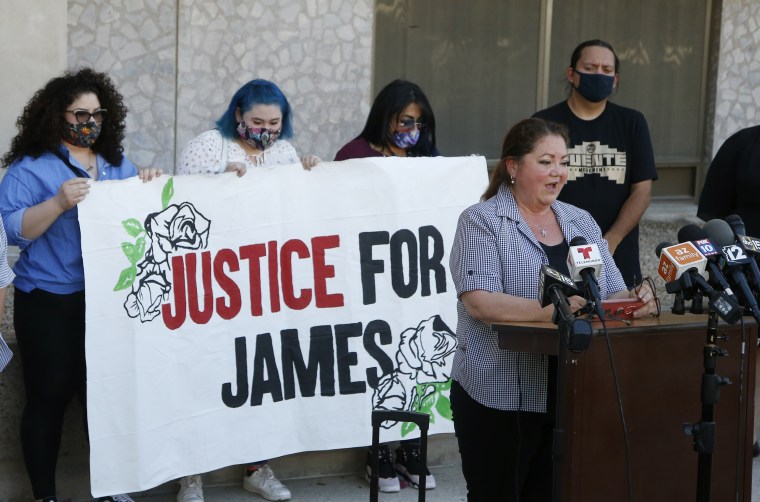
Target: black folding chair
[378,417]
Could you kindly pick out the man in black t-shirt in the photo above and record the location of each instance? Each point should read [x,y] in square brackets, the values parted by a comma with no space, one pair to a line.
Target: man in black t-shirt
[732,184]
[611,159]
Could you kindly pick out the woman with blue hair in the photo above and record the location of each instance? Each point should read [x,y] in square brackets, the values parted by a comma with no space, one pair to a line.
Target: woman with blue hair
[251,133]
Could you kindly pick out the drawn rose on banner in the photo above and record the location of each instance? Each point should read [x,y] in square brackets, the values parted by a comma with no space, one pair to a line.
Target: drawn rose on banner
[422,378]
[146,298]
[175,228]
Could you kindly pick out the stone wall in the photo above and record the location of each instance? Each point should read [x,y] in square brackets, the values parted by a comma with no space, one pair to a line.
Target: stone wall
[32,50]
[177,63]
[737,98]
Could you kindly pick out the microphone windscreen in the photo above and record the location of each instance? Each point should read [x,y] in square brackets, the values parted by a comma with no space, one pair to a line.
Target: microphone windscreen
[691,232]
[578,240]
[661,246]
[736,223]
[719,232]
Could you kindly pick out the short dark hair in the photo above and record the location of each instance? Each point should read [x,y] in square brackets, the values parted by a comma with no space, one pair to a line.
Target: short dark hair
[521,140]
[256,92]
[41,123]
[390,101]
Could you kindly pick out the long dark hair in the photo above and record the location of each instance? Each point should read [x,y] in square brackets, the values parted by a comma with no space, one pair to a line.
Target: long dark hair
[576,55]
[578,51]
[256,92]
[391,101]
[40,124]
[521,140]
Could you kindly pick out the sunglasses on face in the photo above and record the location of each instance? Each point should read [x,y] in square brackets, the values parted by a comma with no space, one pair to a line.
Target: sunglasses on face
[83,116]
[407,123]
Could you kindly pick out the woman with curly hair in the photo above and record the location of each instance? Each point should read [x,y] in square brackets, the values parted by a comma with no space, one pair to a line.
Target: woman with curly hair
[69,134]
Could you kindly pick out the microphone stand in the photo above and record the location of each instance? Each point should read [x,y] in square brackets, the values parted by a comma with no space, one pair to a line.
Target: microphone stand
[574,334]
[703,431]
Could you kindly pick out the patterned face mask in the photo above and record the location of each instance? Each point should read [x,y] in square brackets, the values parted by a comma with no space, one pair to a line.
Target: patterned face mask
[406,139]
[260,138]
[83,135]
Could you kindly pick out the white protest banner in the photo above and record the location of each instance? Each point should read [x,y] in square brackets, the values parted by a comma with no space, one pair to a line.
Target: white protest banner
[231,320]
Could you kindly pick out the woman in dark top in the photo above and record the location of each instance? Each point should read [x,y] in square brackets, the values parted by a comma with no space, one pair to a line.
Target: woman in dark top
[400,124]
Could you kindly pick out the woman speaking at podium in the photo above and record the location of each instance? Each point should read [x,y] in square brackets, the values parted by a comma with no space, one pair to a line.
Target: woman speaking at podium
[502,400]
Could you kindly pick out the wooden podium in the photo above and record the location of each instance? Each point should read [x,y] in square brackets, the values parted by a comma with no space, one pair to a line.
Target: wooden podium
[660,367]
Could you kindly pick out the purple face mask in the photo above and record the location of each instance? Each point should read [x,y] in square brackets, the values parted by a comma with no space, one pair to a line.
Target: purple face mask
[260,138]
[406,139]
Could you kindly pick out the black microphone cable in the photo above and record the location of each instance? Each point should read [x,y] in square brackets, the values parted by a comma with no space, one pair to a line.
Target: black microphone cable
[739,448]
[621,410]
[519,429]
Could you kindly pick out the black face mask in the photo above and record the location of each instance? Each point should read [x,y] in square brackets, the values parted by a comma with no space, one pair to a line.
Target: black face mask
[595,87]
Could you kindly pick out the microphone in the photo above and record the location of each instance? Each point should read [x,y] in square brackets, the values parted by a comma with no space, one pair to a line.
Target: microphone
[748,243]
[554,287]
[551,282]
[584,262]
[677,259]
[735,258]
[701,241]
[681,266]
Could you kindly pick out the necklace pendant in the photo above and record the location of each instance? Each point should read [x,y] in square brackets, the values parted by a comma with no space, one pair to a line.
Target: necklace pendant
[543,232]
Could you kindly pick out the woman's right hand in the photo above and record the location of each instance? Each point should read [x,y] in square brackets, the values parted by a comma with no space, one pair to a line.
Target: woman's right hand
[72,192]
[309,161]
[576,303]
[236,167]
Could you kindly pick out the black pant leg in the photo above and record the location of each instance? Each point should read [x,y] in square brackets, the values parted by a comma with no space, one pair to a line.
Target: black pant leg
[504,453]
[50,333]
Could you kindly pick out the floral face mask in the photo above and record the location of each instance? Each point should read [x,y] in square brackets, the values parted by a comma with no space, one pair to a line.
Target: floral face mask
[260,138]
[83,135]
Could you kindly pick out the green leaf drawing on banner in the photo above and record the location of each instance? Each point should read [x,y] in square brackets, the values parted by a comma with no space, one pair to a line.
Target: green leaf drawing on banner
[443,407]
[167,193]
[436,402]
[126,278]
[133,227]
[407,427]
[134,252]
[427,403]
[140,247]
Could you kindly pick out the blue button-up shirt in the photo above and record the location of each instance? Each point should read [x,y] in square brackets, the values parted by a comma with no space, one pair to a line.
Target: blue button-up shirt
[53,261]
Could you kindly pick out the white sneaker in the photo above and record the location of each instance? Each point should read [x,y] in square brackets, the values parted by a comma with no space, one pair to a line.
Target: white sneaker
[190,489]
[410,467]
[116,498]
[263,482]
[387,479]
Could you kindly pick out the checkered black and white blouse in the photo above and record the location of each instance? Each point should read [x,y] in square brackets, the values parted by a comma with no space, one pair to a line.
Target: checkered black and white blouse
[495,250]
